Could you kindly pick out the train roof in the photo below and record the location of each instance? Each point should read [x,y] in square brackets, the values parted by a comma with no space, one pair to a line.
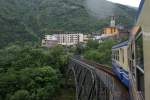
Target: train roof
[125,43]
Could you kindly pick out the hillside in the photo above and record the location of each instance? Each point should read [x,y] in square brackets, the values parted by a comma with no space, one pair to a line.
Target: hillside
[27,20]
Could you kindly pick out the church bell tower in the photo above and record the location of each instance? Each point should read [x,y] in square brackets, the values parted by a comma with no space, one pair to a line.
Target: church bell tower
[112,22]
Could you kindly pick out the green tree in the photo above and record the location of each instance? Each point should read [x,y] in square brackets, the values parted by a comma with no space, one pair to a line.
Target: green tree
[99,52]
[21,95]
[92,44]
[93,55]
[36,70]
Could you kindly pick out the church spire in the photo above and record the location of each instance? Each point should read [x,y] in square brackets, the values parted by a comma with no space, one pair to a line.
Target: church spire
[112,22]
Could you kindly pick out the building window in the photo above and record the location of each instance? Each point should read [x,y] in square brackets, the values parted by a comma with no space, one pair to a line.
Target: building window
[111,30]
[71,38]
[63,39]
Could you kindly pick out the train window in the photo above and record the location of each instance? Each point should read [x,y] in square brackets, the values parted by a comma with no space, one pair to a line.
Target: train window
[140,81]
[113,55]
[139,62]
[131,58]
[118,55]
[122,54]
[139,52]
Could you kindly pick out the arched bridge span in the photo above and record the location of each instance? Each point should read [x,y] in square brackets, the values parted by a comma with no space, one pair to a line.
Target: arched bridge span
[96,82]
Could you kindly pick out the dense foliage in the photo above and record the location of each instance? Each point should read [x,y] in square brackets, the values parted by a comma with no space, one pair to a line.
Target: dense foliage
[30,73]
[99,52]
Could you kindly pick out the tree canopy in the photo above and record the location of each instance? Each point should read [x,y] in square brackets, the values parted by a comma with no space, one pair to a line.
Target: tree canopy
[99,52]
[30,73]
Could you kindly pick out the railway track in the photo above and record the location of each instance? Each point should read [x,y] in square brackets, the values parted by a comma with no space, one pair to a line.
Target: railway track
[104,68]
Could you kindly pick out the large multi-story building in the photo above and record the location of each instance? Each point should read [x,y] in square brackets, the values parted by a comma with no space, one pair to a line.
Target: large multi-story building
[70,38]
[63,38]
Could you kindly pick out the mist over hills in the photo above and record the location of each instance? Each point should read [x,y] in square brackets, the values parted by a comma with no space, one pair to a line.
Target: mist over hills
[27,20]
[100,8]
[103,8]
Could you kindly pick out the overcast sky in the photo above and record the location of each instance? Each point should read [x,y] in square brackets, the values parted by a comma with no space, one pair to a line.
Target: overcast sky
[134,3]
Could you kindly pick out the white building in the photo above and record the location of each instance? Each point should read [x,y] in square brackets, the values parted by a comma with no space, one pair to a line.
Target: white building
[50,41]
[51,37]
[68,38]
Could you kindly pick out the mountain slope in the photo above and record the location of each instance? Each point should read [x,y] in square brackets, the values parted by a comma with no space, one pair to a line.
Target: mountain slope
[27,20]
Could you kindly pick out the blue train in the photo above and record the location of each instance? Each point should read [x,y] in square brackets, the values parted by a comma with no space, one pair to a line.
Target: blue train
[120,62]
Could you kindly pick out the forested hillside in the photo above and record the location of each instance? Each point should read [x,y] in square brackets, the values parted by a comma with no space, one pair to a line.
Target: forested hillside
[31,72]
[26,20]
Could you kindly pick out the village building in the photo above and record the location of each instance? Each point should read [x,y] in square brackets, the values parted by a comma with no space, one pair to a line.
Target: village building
[64,38]
[49,41]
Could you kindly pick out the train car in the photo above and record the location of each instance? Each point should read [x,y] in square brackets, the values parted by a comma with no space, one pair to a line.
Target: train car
[138,56]
[120,62]
[136,63]
[139,51]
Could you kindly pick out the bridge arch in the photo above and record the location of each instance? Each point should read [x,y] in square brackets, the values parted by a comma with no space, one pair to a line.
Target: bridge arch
[95,84]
